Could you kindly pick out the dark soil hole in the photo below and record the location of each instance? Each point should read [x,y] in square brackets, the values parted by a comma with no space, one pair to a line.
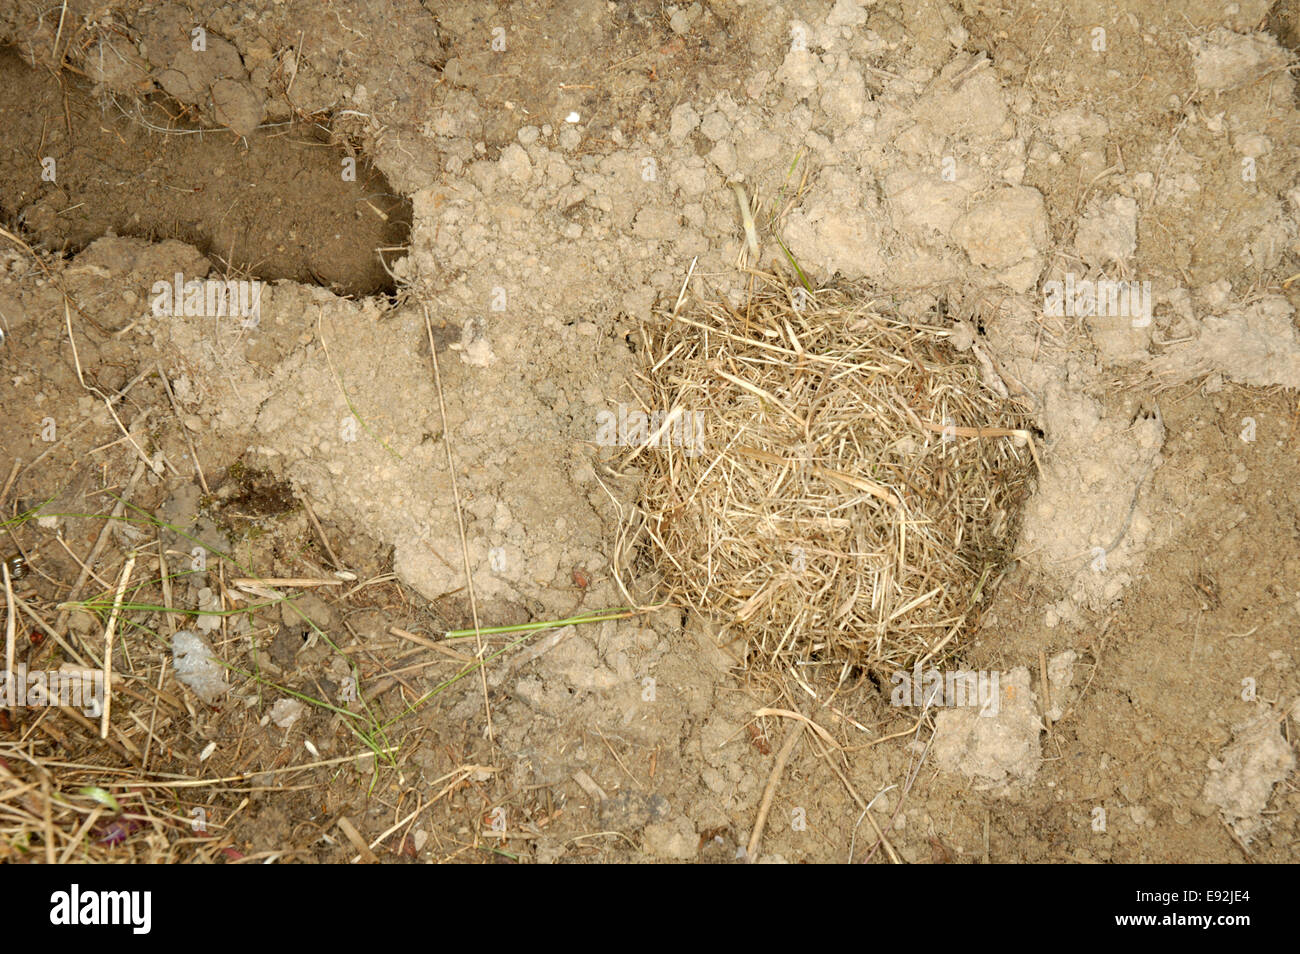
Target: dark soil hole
[251,492]
[1283,21]
[284,203]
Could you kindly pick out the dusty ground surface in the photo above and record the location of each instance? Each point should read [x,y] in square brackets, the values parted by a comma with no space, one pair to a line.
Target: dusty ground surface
[567,165]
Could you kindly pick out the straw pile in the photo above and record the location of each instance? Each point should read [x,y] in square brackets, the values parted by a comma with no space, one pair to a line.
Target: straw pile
[852,489]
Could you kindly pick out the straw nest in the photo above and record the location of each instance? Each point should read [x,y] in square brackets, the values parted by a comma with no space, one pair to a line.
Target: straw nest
[833,481]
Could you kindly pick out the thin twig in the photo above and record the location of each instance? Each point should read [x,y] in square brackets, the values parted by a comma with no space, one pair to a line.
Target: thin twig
[75,593]
[9,637]
[320,532]
[773,780]
[460,516]
[108,643]
[185,431]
